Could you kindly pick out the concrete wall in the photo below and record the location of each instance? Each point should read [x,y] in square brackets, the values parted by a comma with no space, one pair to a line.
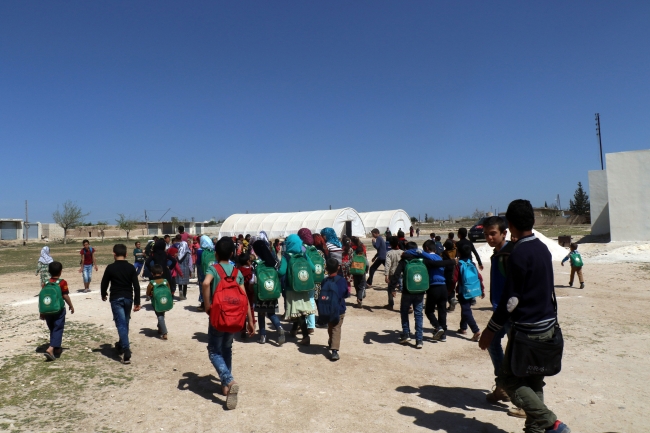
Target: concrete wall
[599,202]
[628,185]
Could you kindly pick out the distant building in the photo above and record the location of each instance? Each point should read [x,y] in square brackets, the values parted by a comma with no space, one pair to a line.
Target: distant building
[12,229]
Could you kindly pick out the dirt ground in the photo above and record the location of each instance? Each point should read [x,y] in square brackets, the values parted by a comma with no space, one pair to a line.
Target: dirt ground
[378,385]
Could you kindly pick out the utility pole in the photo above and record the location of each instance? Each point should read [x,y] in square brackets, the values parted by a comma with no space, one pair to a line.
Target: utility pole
[26,224]
[600,141]
[145,216]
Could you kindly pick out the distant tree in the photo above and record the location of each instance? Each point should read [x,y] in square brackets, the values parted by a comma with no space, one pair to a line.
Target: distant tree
[70,217]
[414,220]
[478,214]
[426,217]
[545,205]
[580,203]
[125,223]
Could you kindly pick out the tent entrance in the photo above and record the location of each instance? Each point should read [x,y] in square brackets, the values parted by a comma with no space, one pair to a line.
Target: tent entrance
[348,228]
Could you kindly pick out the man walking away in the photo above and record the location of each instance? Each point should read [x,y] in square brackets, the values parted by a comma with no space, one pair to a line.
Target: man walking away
[380,258]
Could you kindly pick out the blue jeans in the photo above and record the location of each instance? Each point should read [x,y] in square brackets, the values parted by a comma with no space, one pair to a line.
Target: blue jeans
[88,273]
[261,322]
[220,354]
[417,301]
[138,267]
[56,323]
[466,316]
[496,350]
[121,308]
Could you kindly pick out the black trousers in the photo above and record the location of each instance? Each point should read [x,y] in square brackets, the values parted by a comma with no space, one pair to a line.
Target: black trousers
[375,265]
[437,299]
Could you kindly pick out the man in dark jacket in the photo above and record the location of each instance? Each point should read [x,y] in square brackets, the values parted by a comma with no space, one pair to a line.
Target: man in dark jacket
[527,301]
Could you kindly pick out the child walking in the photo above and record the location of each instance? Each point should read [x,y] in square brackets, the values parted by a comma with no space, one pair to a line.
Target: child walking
[341,288]
[467,280]
[576,265]
[42,267]
[56,321]
[244,266]
[87,264]
[158,282]
[393,257]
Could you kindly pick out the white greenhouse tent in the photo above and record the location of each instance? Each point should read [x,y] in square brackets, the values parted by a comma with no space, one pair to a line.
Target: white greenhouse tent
[393,219]
[280,225]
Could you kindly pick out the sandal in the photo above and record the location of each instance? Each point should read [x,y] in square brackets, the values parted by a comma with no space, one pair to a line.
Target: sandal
[49,356]
[231,398]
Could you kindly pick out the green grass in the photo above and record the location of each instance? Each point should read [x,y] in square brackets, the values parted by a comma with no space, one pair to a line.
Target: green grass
[62,390]
[24,258]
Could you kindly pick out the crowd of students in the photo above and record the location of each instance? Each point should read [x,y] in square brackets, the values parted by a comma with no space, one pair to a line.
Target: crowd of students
[315,272]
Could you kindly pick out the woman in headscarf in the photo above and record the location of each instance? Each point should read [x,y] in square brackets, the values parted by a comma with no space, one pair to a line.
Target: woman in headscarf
[263,236]
[299,305]
[184,257]
[333,243]
[267,308]
[160,258]
[206,246]
[43,264]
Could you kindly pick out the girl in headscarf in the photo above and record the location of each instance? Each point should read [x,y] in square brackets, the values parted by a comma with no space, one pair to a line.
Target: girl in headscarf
[160,258]
[299,305]
[333,243]
[185,264]
[267,308]
[43,264]
[308,239]
[205,246]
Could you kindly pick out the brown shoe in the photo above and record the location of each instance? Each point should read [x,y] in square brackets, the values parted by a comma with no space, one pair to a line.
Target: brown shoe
[164,337]
[305,341]
[497,395]
[476,336]
[310,331]
[516,412]
[231,396]
[462,331]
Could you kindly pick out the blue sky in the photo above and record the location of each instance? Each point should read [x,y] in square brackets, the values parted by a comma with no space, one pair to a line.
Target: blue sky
[223,107]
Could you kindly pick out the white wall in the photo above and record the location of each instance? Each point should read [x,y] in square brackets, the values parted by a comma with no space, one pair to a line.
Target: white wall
[598,199]
[628,188]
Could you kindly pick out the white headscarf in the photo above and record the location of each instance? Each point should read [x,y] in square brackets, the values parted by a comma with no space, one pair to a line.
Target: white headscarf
[264,237]
[45,258]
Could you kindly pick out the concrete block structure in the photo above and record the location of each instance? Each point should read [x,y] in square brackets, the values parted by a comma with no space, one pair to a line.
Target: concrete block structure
[11,229]
[619,197]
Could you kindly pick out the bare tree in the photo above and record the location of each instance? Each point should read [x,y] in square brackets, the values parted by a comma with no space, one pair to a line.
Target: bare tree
[71,216]
[101,226]
[478,214]
[125,223]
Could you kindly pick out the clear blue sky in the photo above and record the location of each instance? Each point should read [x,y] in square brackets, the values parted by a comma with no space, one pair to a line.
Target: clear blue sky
[221,107]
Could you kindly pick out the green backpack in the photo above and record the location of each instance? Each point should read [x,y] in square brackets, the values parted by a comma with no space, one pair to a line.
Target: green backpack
[162,299]
[50,300]
[319,264]
[358,265]
[267,285]
[417,276]
[208,258]
[576,260]
[301,277]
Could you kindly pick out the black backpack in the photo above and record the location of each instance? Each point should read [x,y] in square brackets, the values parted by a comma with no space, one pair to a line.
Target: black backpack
[329,301]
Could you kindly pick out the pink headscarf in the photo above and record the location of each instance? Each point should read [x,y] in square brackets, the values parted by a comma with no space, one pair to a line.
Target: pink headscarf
[305,235]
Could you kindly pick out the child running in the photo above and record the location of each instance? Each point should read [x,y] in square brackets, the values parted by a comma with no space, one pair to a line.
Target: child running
[338,284]
[158,282]
[56,321]
[576,265]
[469,284]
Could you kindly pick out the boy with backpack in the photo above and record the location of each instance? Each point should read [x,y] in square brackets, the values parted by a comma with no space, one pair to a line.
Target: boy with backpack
[439,247]
[393,256]
[331,305]
[469,284]
[576,265]
[52,308]
[358,266]
[138,258]
[125,294]
[228,309]
[87,263]
[161,298]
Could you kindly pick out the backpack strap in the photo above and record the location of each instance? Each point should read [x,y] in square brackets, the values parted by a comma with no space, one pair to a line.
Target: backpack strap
[222,272]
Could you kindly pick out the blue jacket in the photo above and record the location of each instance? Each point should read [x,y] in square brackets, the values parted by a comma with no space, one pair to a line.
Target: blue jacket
[342,290]
[436,271]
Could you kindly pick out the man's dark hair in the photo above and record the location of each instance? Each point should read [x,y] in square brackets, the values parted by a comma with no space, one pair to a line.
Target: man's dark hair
[136,242]
[429,245]
[411,246]
[394,242]
[466,252]
[495,221]
[573,246]
[181,229]
[375,231]
[520,215]
[462,233]
[247,237]
[449,245]
[166,237]
[437,238]
[450,235]
[432,235]
[225,248]
[156,270]
[155,238]
[119,250]
[55,269]
[85,241]
[243,259]
[332,265]
[178,238]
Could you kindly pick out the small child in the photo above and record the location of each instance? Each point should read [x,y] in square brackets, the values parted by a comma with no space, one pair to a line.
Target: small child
[359,281]
[334,328]
[244,266]
[393,256]
[138,258]
[157,278]
[439,247]
[576,265]
[56,322]
[466,316]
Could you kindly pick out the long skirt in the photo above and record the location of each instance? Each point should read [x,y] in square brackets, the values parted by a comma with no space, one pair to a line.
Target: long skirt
[299,304]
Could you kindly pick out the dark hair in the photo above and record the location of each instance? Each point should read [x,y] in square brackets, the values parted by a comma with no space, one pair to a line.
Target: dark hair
[119,250]
[432,235]
[243,259]
[55,269]
[136,242]
[248,236]
[451,235]
[156,270]
[332,265]
[376,231]
[166,236]
[155,238]
[277,241]
[181,229]
[437,238]
[355,240]
[462,232]
[573,246]
[466,252]
[225,248]
[394,242]
[520,215]
[178,238]
[429,245]
[85,241]
[449,245]
[495,221]
[411,246]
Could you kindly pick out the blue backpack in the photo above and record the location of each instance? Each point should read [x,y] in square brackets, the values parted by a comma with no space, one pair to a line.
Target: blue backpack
[329,301]
[470,285]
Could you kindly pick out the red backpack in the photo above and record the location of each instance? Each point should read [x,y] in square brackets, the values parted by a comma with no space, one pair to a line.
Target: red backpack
[229,304]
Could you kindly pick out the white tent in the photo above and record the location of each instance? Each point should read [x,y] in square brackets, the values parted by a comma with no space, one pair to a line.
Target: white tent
[281,225]
[393,219]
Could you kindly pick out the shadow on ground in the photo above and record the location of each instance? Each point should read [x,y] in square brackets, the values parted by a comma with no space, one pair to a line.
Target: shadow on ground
[201,337]
[203,386]
[448,421]
[386,337]
[454,397]
[148,332]
[109,351]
